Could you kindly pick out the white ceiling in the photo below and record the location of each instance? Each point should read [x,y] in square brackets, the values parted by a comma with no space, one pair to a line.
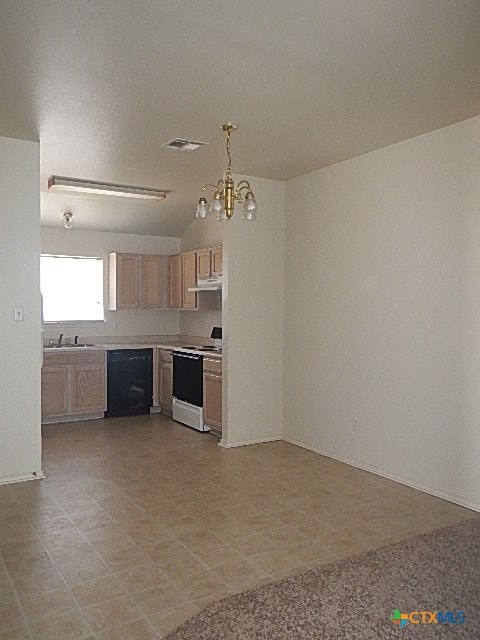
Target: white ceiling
[103,84]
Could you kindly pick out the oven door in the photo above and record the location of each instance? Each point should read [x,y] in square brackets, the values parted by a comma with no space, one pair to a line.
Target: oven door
[188,378]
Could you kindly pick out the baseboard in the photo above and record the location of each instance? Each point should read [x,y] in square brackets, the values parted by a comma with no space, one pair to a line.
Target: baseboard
[155,409]
[158,409]
[74,417]
[243,443]
[23,477]
[451,497]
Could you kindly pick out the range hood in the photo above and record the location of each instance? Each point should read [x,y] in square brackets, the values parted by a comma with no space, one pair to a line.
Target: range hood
[213,283]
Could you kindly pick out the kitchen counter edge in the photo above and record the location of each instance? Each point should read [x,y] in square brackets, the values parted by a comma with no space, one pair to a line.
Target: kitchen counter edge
[136,345]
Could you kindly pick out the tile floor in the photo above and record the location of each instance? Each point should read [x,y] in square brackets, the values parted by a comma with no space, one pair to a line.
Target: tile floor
[141,522]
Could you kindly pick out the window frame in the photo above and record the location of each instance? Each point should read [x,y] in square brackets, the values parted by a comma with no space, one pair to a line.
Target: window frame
[77,322]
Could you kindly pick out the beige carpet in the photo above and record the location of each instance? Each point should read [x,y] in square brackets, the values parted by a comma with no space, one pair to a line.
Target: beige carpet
[355,598]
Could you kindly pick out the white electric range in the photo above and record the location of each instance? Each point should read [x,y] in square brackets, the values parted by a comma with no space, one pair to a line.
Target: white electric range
[188,384]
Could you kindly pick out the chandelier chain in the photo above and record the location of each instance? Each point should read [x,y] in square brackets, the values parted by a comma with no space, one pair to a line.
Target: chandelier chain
[229,157]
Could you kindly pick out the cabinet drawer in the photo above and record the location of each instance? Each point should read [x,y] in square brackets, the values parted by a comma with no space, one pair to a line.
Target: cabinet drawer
[212,365]
[85,357]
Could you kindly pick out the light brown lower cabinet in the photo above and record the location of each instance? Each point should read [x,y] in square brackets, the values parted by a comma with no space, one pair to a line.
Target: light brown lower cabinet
[54,390]
[73,383]
[165,381]
[212,393]
[88,388]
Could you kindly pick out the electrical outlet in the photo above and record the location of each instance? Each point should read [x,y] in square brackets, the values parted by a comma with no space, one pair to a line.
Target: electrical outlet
[356,424]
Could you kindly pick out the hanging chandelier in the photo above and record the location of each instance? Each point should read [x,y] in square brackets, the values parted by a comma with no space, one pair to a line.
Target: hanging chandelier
[225,192]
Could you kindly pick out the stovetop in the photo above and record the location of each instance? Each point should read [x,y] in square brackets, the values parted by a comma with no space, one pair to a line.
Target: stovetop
[202,348]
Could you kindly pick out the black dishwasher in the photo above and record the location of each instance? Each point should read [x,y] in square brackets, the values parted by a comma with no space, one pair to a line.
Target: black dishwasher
[129,382]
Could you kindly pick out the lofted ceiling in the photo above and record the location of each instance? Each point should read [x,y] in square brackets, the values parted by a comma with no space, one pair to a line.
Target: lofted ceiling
[104,84]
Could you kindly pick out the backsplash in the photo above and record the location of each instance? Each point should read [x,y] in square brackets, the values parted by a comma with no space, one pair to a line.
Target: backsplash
[200,323]
[120,323]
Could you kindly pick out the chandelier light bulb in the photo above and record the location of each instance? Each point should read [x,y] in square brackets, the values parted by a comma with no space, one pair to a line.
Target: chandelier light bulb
[249,207]
[201,208]
[216,206]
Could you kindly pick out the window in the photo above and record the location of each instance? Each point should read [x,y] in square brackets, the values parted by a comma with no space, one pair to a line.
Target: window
[72,288]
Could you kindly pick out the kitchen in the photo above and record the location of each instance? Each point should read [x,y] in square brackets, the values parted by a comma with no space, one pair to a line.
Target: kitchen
[146,297]
[251,255]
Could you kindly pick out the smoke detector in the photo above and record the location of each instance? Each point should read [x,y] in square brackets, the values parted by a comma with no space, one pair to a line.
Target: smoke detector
[183,145]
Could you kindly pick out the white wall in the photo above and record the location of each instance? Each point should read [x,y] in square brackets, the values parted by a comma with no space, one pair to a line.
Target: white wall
[253,298]
[202,233]
[199,235]
[382,309]
[125,322]
[19,287]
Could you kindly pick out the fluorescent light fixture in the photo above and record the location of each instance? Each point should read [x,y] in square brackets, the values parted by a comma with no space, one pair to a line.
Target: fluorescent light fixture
[60,183]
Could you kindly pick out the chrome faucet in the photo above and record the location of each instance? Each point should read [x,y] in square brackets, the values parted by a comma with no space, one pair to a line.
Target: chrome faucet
[60,339]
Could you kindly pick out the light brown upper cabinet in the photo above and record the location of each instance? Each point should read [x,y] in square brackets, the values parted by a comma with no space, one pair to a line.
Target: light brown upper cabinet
[189,279]
[209,262]
[175,282]
[216,261]
[124,277]
[138,281]
[155,282]
[204,263]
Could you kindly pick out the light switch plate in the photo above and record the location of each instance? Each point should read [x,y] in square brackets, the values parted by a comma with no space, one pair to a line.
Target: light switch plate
[18,313]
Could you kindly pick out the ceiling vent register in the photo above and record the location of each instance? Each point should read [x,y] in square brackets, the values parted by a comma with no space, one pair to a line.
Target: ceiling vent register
[179,144]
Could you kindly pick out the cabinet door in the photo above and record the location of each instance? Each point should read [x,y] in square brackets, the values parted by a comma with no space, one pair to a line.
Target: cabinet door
[124,281]
[155,282]
[88,388]
[189,279]
[175,282]
[212,400]
[166,387]
[203,263]
[54,390]
[217,256]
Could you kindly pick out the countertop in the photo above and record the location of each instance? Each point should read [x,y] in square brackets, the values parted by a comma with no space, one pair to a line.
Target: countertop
[134,345]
